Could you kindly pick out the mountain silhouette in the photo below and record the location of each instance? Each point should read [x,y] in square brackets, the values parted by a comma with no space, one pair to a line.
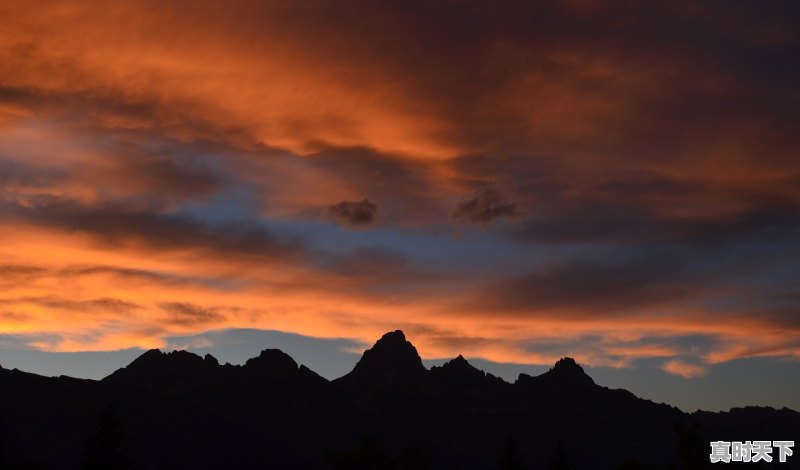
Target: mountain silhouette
[392,360]
[177,410]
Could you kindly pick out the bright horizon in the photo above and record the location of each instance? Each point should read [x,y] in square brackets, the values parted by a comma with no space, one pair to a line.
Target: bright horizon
[333,358]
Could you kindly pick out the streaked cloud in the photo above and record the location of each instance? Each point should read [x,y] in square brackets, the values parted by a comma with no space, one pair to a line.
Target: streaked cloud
[486,205]
[533,185]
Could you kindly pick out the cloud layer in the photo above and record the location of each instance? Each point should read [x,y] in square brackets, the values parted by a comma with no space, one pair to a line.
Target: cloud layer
[527,179]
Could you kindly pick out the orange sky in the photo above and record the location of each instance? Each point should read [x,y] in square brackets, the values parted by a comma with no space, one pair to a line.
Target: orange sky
[610,181]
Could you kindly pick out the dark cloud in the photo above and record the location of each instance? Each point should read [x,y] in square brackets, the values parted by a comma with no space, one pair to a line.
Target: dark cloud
[123,273]
[103,109]
[162,175]
[16,173]
[186,314]
[605,286]
[622,284]
[407,190]
[636,221]
[476,171]
[145,169]
[116,225]
[607,127]
[487,205]
[14,274]
[354,213]
[543,80]
[104,305]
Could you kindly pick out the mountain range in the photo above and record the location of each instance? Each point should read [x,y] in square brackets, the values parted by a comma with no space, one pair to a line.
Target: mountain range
[180,410]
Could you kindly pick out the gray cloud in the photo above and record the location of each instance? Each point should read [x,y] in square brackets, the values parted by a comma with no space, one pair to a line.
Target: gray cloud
[187,314]
[355,213]
[487,205]
[115,224]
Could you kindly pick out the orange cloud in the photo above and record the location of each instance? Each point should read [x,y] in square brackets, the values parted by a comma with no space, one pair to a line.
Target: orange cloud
[683,369]
[152,156]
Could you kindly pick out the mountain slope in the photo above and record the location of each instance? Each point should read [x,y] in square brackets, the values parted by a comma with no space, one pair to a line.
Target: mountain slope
[180,410]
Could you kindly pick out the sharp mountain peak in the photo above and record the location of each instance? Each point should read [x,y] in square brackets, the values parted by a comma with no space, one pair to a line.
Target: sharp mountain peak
[392,359]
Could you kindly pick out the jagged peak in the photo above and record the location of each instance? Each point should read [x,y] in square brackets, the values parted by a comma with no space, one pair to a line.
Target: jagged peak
[458,370]
[396,337]
[567,364]
[395,344]
[155,352]
[182,365]
[162,366]
[211,359]
[181,353]
[565,371]
[272,358]
[458,363]
[178,356]
[391,356]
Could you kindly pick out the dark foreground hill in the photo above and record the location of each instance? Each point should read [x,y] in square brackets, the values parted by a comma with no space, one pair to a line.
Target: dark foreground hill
[179,410]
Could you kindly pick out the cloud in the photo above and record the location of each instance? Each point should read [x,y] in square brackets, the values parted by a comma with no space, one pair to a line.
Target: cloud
[191,315]
[15,317]
[104,305]
[114,225]
[610,286]
[14,274]
[629,218]
[487,205]
[354,213]
[149,155]
[164,176]
[410,192]
[684,369]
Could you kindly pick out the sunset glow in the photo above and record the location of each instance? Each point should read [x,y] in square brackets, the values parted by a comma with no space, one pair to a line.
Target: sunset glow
[514,182]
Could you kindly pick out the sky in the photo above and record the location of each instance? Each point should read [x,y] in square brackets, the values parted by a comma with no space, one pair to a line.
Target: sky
[512,181]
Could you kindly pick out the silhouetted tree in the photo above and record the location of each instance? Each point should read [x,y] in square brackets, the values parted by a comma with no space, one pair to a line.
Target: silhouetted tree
[634,465]
[409,458]
[693,452]
[106,449]
[7,466]
[559,459]
[369,454]
[509,459]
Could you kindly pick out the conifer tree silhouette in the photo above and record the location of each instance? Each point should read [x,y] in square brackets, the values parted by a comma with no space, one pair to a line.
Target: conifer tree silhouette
[509,459]
[106,448]
[367,455]
[559,460]
[691,449]
[2,445]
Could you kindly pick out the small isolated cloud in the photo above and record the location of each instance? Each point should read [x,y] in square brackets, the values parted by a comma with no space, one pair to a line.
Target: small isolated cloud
[487,204]
[684,369]
[354,212]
